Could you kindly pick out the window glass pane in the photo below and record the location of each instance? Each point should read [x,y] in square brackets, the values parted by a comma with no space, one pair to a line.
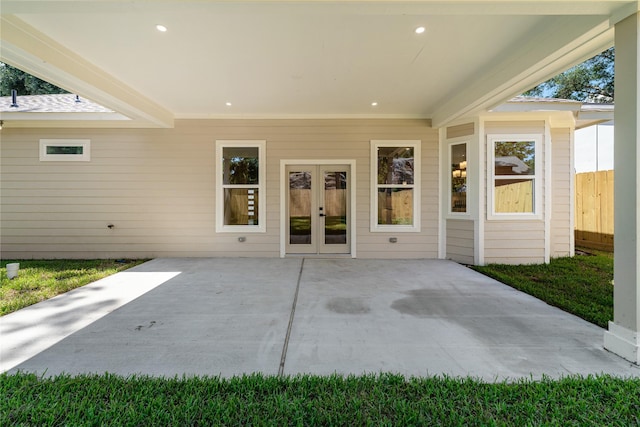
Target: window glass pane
[515,157]
[300,208]
[55,149]
[240,165]
[514,196]
[241,206]
[395,206]
[459,178]
[395,165]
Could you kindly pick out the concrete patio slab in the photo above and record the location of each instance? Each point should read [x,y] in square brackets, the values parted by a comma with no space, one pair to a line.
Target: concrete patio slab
[236,316]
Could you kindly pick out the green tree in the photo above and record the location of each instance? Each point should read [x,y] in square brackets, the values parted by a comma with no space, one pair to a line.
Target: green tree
[523,150]
[591,81]
[24,83]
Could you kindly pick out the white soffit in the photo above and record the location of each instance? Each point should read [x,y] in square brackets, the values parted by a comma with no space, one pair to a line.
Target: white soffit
[279,59]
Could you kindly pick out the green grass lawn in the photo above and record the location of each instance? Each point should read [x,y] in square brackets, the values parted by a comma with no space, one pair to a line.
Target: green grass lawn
[582,285]
[40,280]
[310,400]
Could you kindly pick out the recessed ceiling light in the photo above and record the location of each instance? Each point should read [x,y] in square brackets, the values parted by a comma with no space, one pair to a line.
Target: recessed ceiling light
[420,30]
[374,104]
[228,104]
[161,28]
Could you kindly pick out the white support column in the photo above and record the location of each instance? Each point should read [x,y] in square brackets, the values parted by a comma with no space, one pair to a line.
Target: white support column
[623,336]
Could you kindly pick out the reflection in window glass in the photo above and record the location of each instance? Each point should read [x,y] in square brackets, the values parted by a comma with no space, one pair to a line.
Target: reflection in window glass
[514,157]
[514,196]
[300,208]
[514,176]
[459,178]
[395,165]
[241,206]
[240,165]
[335,199]
[58,149]
[395,206]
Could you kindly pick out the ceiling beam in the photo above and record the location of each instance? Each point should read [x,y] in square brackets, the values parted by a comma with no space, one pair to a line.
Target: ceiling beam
[35,53]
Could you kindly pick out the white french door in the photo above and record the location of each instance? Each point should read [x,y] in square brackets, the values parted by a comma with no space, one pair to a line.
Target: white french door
[318,209]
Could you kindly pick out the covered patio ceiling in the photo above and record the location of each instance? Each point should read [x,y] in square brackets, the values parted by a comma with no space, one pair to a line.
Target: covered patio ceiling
[304,58]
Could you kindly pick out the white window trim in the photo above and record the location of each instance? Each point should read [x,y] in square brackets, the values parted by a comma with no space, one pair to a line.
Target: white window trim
[262,197]
[469,170]
[417,193]
[537,177]
[84,143]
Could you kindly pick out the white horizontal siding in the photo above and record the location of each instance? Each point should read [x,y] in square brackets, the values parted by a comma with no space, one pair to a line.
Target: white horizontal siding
[460,241]
[562,193]
[157,187]
[514,242]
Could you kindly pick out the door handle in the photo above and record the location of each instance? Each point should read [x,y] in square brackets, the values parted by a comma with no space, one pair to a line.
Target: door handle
[322,214]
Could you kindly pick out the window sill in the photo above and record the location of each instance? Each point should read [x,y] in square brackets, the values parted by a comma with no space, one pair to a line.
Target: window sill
[514,217]
[395,229]
[241,229]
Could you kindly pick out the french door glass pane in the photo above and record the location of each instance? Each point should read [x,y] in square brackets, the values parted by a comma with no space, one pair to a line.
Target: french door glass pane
[335,206]
[300,208]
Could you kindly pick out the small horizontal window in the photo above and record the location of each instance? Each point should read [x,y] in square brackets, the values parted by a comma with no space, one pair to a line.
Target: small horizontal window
[65,150]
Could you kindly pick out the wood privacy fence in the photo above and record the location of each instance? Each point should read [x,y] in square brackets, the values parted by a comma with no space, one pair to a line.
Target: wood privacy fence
[300,202]
[594,210]
[514,197]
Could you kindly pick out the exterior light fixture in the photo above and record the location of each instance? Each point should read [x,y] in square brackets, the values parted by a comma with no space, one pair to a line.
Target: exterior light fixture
[420,30]
[161,28]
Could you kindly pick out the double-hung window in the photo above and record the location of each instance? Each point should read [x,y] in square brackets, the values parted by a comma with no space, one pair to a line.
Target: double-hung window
[514,176]
[395,186]
[240,186]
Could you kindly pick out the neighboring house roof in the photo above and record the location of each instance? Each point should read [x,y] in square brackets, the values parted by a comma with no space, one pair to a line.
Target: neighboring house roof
[516,164]
[585,114]
[56,103]
[67,109]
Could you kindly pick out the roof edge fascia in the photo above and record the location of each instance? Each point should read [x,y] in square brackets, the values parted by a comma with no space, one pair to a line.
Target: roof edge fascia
[76,123]
[555,118]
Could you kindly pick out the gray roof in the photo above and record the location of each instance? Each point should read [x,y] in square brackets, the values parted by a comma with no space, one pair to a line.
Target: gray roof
[537,99]
[58,103]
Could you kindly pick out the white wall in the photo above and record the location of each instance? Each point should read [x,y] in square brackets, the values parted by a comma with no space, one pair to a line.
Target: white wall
[594,148]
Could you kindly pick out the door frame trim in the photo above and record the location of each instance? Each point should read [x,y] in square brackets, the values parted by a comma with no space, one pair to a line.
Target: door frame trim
[283,200]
